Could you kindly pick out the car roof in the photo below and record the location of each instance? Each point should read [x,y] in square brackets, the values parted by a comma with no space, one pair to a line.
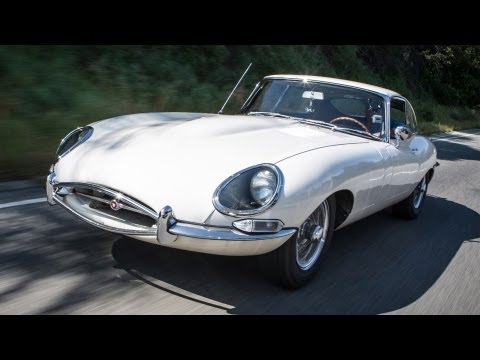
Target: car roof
[335,81]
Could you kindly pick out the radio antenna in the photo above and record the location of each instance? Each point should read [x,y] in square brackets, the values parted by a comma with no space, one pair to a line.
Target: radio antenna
[235,88]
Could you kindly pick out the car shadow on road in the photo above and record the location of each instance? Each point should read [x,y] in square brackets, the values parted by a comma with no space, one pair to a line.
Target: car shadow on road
[377,265]
[458,150]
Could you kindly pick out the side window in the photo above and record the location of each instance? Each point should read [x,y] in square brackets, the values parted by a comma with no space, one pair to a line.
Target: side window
[411,120]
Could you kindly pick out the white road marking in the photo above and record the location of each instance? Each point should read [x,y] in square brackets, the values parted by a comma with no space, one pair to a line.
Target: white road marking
[23,202]
[449,138]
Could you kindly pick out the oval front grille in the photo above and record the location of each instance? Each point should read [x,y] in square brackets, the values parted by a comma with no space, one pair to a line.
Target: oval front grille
[101,200]
[107,208]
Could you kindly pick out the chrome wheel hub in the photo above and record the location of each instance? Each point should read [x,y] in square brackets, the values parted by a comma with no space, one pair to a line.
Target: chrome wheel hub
[311,237]
[419,193]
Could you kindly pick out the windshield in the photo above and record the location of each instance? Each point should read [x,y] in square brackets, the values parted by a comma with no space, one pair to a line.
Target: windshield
[340,106]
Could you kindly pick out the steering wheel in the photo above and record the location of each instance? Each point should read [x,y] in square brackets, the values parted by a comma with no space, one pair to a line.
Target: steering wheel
[350,119]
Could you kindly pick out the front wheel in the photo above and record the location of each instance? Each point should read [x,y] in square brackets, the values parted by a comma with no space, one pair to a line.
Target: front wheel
[411,206]
[296,262]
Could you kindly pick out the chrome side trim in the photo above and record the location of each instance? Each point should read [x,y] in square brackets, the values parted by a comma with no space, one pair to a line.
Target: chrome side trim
[204,232]
[237,213]
[145,231]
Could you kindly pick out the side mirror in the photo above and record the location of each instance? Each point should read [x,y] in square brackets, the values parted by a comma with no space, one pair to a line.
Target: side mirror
[402,133]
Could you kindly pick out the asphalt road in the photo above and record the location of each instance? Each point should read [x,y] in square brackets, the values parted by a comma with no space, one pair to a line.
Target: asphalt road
[53,263]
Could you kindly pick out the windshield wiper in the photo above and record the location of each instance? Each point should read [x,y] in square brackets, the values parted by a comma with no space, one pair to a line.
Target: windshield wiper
[267,113]
[317,122]
[356,132]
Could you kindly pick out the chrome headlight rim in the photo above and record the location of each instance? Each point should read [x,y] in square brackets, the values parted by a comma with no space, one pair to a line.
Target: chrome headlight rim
[239,213]
[78,143]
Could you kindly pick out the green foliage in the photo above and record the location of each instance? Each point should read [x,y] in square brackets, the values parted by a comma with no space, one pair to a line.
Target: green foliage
[45,91]
[452,73]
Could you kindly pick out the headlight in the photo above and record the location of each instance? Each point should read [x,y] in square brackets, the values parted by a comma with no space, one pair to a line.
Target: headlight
[250,191]
[263,185]
[73,139]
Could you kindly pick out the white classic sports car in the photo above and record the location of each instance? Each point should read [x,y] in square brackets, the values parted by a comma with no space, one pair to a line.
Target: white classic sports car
[305,156]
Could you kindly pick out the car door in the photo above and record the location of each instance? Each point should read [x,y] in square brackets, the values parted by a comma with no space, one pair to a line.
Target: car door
[403,152]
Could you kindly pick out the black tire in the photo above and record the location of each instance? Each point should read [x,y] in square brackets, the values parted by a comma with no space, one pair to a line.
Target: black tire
[281,264]
[411,207]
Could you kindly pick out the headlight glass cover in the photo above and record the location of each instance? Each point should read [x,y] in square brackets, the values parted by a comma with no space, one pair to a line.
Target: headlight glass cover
[250,191]
[74,139]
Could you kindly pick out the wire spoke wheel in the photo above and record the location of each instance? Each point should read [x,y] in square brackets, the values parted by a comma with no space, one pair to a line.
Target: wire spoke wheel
[419,193]
[297,261]
[411,207]
[312,236]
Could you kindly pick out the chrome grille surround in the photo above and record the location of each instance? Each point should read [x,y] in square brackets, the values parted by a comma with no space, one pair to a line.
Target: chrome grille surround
[125,202]
[92,203]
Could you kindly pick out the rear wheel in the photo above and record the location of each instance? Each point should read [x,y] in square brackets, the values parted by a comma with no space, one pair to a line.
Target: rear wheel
[411,206]
[296,262]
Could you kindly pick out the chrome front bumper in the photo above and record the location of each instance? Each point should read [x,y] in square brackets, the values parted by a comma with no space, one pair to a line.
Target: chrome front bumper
[165,229]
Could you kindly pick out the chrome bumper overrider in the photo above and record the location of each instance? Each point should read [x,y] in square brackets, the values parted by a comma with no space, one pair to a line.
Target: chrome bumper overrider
[165,227]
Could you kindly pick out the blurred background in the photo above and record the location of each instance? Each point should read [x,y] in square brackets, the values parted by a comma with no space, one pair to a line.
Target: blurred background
[47,90]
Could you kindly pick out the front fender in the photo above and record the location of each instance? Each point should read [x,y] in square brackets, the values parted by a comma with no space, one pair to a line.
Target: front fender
[312,176]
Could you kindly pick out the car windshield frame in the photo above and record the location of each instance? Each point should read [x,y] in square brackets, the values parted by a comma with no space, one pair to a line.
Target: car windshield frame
[312,93]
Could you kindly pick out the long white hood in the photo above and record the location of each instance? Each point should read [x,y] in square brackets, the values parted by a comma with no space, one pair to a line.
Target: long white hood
[179,159]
